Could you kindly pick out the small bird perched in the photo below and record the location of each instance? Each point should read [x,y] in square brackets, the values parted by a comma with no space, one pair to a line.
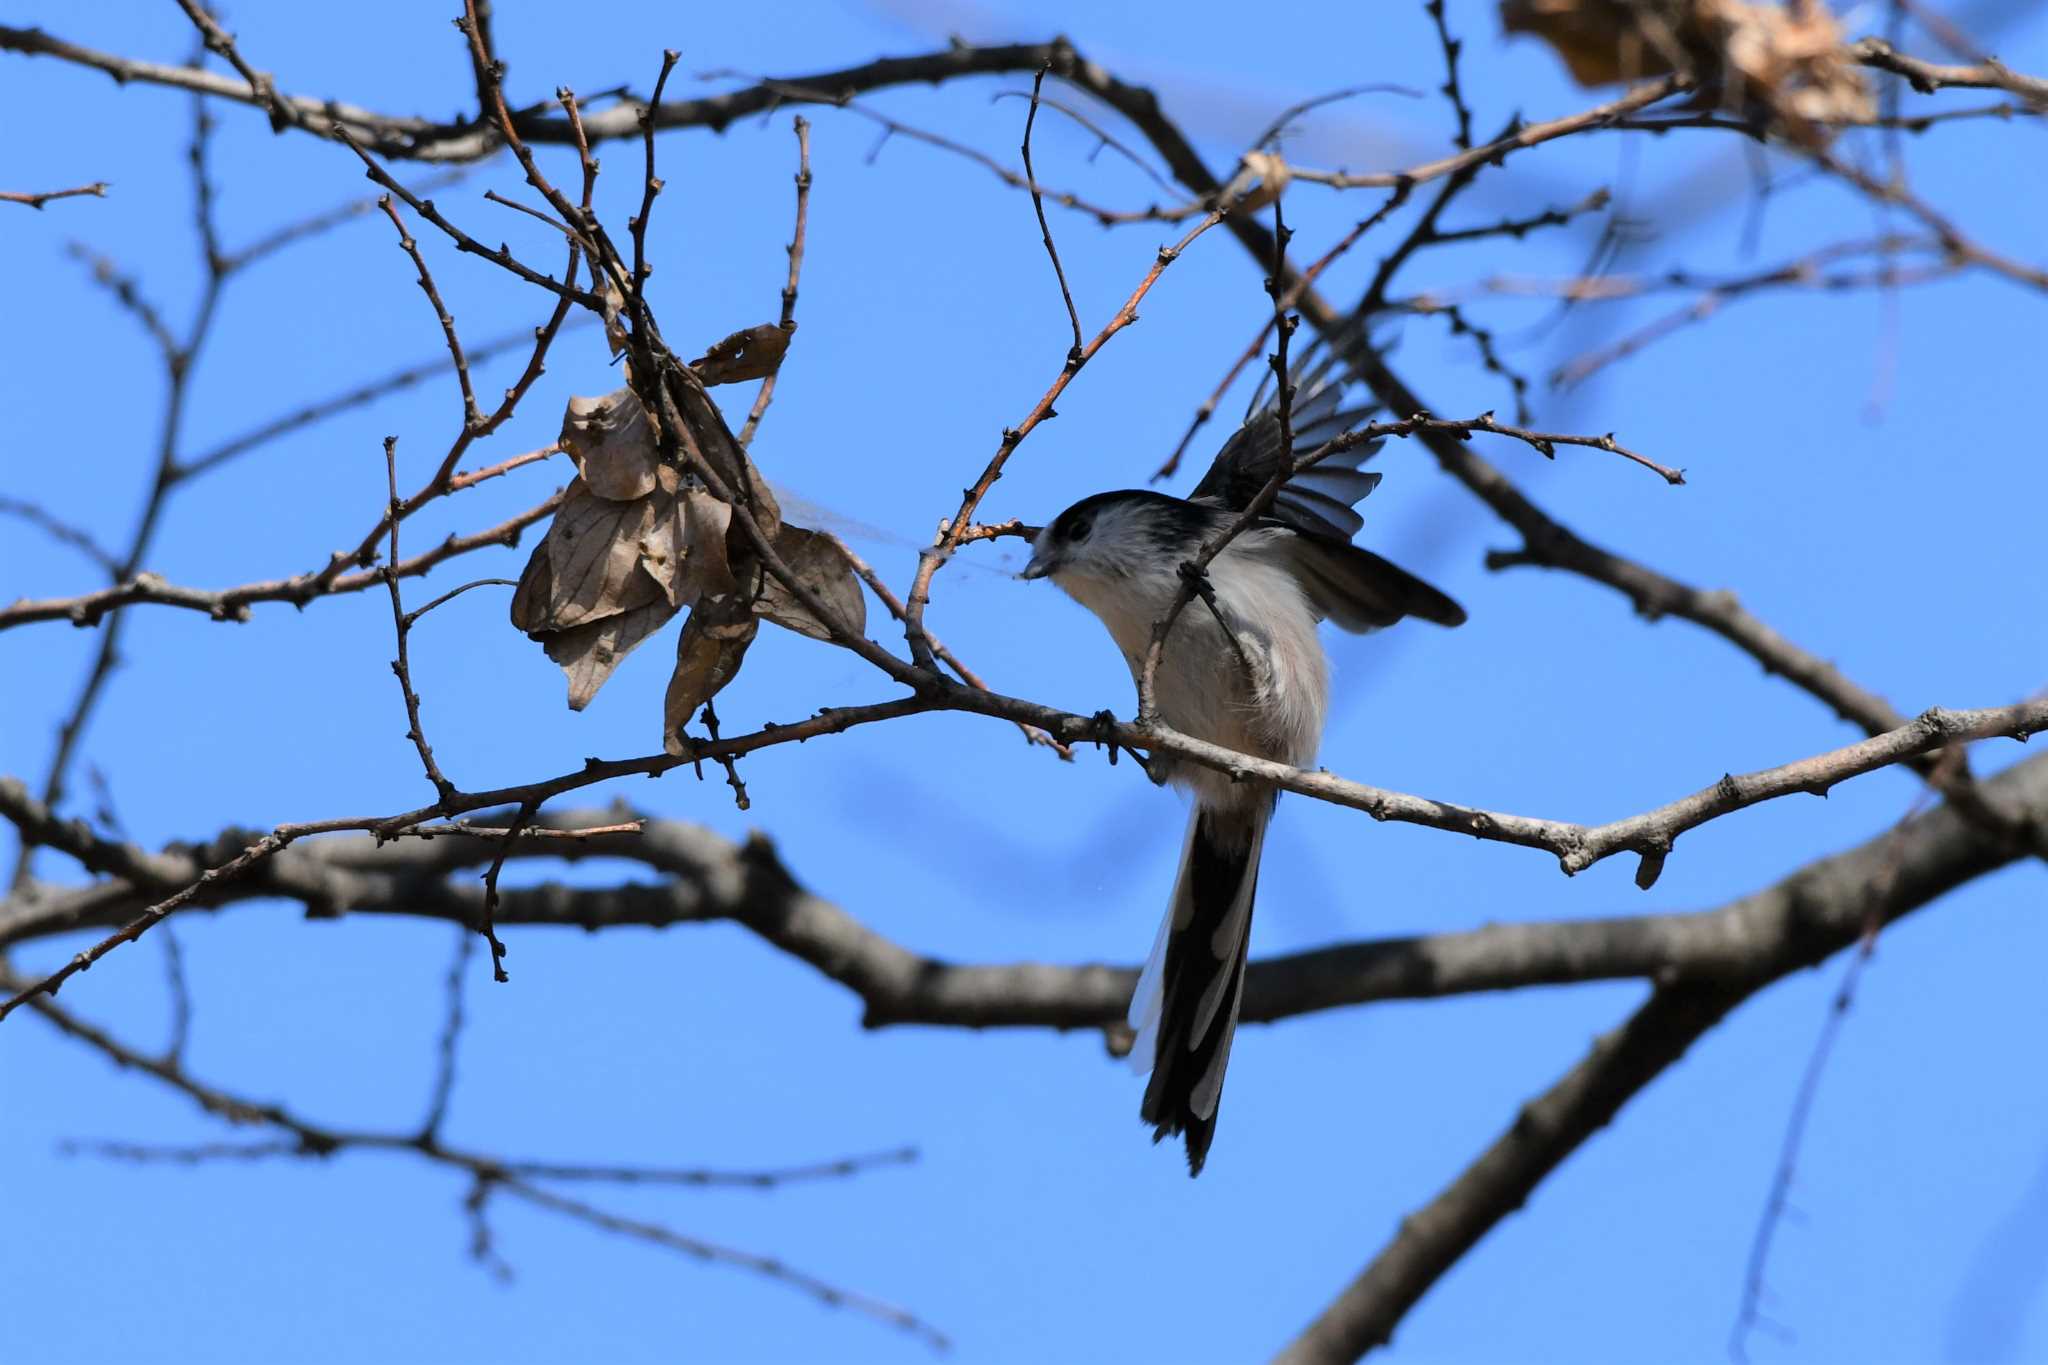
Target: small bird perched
[1241,668]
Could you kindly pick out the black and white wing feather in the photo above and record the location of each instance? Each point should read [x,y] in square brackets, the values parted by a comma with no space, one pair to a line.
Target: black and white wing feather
[1352,588]
[1318,500]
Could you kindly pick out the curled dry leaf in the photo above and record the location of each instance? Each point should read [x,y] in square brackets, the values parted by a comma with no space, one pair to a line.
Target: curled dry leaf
[686,551]
[820,564]
[588,653]
[709,652]
[1787,64]
[633,543]
[594,549]
[636,540]
[613,445]
[707,438]
[754,353]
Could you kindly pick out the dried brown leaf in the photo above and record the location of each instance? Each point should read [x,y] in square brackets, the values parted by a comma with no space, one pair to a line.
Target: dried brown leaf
[704,522]
[820,564]
[531,609]
[594,551]
[1605,41]
[754,353]
[613,445]
[1786,64]
[707,438]
[709,651]
[588,653]
[685,552]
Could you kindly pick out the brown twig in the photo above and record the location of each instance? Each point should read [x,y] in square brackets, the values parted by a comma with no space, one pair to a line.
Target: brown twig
[471,416]
[315,224]
[798,92]
[1300,286]
[499,257]
[1520,139]
[262,89]
[178,356]
[98,190]
[796,265]
[443,1089]
[1450,89]
[232,604]
[725,761]
[61,531]
[486,1172]
[708,1251]
[155,914]
[888,598]
[1102,138]
[707,878]
[948,539]
[417,612]
[487,922]
[1038,207]
[1928,77]
[401,625]
[1577,847]
[651,186]
[360,396]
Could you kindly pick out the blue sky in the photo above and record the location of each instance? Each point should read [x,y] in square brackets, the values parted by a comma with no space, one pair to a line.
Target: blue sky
[1856,473]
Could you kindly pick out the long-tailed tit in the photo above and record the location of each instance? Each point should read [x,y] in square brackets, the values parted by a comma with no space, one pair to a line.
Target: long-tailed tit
[1242,668]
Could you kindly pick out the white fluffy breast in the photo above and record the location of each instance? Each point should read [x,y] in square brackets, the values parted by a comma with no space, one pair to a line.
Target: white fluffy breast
[1274,705]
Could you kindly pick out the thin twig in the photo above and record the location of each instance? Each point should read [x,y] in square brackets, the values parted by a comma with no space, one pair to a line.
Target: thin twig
[949,538]
[471,416]
[451,1037]
[725,761]
[178,356]
[1300,286]
[795,250]
[1450,89]
[155,914]
[401,625]
[63,531]
[232,604]
[98,190]
[417,612]
[888,598]
[1044,228]
[652,185]
[487,1173]
[488,923]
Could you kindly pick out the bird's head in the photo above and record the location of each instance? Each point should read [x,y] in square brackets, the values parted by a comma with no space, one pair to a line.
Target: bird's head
[1114,535]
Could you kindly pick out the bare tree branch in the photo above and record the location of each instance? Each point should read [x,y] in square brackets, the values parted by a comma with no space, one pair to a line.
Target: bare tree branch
[1931,855]
[35,200]
[514,1177]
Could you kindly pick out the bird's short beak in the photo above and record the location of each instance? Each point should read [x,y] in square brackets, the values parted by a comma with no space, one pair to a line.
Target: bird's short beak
[1040,565]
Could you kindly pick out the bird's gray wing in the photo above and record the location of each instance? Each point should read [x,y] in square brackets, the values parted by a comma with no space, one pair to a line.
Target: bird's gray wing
[1319,499]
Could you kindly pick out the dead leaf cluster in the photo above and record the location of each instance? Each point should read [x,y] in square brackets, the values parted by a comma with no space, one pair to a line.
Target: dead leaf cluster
[638,539]
[1786,65]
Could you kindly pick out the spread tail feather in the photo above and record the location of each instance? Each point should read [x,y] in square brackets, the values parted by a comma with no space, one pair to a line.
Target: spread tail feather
[1185,1007]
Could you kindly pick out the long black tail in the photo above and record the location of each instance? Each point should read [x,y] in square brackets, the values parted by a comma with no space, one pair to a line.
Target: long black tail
[1185,1008]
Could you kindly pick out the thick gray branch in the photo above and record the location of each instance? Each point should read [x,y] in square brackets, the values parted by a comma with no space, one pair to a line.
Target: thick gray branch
[1796,923]
[705,877]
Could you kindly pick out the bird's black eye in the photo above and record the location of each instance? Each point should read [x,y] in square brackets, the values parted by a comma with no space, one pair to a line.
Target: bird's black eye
[1078,529]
